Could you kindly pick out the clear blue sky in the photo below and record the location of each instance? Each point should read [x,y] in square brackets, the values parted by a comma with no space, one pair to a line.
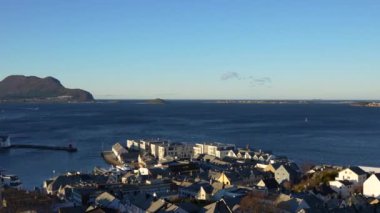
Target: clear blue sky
[197,49]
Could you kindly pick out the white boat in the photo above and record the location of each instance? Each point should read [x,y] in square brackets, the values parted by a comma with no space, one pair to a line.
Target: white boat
[5,141]
[123,168]
[9,180]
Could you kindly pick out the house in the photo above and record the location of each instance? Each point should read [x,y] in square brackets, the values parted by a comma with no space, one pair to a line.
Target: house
[220,177]
[353,174]
[183,168]
[133,145]
[106,200]
[302,203]
[119,151]
[371,187]
[230,192]
[293,205]
[200,191]
[272,167]
[142,203]
[245,154]
[80,195]
[344,188]
[232,154]
[268,184]
[219,206]
[52,186]
[285,173]
[324,192]
[5,141]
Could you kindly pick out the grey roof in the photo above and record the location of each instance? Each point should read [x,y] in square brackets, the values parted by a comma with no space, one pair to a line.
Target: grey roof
[346,182]
[104,199]
[64,180]
[270,183]
[71,209]
[313,201]
[290,170]
[290,205]
[156,205]
[323,190]
[357,170]
[377,175]
[189,207]
[343,210]
[197,186]
[147,202]
[119,148]
[219,206]
[276,165]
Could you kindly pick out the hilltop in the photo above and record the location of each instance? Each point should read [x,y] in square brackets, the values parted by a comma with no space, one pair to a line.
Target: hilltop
[19,88]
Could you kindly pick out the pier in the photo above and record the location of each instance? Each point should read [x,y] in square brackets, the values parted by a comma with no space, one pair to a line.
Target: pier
[5,143]
[69,148]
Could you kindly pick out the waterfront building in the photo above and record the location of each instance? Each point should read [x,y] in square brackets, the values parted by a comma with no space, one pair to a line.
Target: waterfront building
[174,150]
[119,151]
[219,150]
[133,144]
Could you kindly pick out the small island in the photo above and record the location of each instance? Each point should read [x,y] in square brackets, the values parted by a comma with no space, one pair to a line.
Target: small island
[156,101]
[32,89]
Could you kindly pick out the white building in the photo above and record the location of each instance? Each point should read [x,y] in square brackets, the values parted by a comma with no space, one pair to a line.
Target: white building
[5,141]
[133,144]
[219,150]
[119,151]
[232,154]
[174,150]
[353,174]
[371,187]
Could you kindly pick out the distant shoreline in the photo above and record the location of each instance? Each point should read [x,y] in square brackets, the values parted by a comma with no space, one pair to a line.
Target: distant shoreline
[367,104]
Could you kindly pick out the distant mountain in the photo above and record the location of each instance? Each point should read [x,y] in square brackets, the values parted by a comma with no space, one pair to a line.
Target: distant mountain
[19,88]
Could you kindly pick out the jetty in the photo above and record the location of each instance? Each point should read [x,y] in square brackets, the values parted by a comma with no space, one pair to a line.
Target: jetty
[69,148]
[5,143]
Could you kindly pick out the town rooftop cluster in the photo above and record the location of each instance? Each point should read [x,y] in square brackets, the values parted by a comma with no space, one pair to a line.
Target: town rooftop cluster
[161,176]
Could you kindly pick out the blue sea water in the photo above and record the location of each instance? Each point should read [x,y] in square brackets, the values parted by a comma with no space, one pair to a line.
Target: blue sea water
[334,133]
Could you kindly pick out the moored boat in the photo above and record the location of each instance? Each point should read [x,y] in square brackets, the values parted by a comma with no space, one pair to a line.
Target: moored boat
[5,141]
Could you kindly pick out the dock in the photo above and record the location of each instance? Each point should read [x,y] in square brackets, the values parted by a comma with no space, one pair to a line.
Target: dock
[69,148]
[5,143]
